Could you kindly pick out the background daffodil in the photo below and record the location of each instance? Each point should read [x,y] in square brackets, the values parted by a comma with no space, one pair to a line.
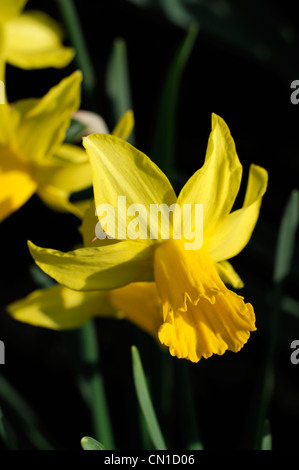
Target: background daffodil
[201,316]
[60,308]
[33,155]
[31,39]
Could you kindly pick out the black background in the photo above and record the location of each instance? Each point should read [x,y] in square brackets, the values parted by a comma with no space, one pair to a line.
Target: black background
[253,96]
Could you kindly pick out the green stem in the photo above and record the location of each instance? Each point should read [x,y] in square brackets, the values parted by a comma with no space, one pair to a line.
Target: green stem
[72,23]
[84,349]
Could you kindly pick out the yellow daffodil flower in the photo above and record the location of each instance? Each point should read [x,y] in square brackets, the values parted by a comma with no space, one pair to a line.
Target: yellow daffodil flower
[200,316]
[60,308]
[31,39]
[33,157]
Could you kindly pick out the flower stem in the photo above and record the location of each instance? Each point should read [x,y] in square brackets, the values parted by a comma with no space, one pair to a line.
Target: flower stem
[84,351]
[93,378]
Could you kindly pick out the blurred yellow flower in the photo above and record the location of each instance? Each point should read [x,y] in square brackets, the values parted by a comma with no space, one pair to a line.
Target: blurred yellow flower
[33,157]
[200,316]
[31,39]
[60,308]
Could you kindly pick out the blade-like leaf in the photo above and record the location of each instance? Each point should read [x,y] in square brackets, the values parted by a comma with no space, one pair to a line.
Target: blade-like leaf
[267,438]
[88,443]
[163,152]
[145,402]
[84,348]
[286,238]
[118,82]
[74,29]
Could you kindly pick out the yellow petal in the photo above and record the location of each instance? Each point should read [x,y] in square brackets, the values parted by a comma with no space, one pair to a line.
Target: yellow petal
[58,200]
[33,40]
[233,233]
[98,268]
[10,8]
[60,308]
[205,329]
[124,126]
[68,169]
[120,170]
[41,124]
[217,183]
[184,274]
[88,228]
[7,124]
[139,303]
[16,183]
[229,275]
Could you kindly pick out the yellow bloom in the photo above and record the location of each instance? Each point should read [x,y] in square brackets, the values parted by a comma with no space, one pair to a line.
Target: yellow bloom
[60,308]
[30,40]
[33,157]
[200,315]
[32,154]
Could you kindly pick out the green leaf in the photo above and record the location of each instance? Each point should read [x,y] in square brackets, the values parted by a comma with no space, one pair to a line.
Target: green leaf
[88,443]
[84,349]
[282,267]
[118,82]
[75,32]
[267,437]
[2,426]
[163,152]
[286,239]
[145,402]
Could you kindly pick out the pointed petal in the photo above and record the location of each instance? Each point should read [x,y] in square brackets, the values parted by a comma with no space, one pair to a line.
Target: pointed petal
[41,124]
[139,303]
[119,169]
[7,131]
[217,183]
[16,183]
[58,200]
[124,126]
[229,275]
[34,40]
[60,308]
[233,233]
[68,169]
[207,329]
[98,268]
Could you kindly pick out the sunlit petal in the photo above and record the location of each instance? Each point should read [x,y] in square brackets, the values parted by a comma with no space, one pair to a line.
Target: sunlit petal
[98,268]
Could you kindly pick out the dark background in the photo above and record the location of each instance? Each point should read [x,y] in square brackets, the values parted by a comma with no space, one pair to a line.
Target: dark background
[244,75]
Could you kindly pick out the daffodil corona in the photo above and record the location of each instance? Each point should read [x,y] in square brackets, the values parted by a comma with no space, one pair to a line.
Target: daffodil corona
[199,315]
